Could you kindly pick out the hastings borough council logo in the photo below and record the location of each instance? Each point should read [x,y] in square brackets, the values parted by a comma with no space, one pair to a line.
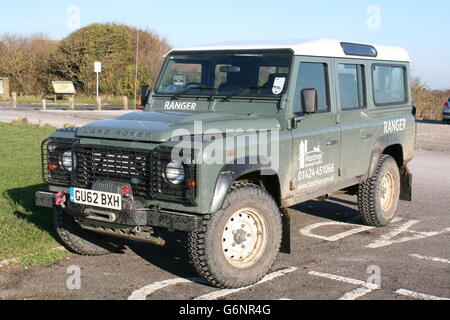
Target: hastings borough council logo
[309,158]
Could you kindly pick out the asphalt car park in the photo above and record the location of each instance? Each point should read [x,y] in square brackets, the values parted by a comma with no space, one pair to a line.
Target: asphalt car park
[334,256]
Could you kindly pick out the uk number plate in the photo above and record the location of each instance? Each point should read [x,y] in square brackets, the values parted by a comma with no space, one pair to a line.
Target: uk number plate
[96,198]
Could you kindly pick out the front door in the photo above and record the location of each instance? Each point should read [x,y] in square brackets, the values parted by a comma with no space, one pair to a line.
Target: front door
[317,137]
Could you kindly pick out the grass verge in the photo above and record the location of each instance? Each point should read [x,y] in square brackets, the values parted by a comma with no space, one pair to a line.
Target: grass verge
[42,257]
[108,100]
[25,230]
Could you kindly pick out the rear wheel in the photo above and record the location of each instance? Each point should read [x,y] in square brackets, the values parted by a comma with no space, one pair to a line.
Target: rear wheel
[240,242]
[77,239]
[378,197]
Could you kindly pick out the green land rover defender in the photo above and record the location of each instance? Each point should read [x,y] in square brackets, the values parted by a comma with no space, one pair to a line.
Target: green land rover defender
[229,138]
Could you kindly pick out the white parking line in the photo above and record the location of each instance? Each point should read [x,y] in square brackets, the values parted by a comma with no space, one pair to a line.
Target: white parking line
[307,231]
[417,295]
[364,287]
[418,256]
[356,228]
[145,292]
[355,294]
[225,292]
[387,239]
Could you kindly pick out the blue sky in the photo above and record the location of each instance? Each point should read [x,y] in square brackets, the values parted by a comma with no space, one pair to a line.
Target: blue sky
[422,27]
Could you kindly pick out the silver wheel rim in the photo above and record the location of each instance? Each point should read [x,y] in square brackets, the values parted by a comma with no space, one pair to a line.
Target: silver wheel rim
[244,238]
[387,193]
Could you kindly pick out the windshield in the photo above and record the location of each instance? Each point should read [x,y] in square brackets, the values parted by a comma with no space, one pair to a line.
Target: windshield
[226,74]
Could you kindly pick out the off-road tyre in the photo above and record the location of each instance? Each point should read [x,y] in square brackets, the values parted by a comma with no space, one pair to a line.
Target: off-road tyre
[378,208]
[206,248]
[78,240]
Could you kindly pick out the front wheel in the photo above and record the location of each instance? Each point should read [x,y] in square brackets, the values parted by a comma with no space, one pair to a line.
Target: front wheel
[240,242]
[378,197]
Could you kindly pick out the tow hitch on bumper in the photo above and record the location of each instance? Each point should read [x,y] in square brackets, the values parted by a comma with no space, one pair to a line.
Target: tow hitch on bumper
[148,217]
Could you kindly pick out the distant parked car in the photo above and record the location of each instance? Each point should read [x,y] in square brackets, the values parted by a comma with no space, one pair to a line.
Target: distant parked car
[446,112]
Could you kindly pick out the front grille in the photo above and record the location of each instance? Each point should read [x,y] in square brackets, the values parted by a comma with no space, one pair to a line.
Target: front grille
[143,169]
[96,163]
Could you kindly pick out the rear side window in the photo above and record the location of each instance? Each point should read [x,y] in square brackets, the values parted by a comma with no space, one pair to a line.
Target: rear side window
[352,86]
[389,84]
[315,76]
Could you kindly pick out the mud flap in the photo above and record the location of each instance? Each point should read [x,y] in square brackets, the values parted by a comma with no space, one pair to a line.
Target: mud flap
[405,184]
[286,237]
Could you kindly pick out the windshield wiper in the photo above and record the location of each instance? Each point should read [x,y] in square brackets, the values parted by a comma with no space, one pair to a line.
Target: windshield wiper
[243,89]
[186,90]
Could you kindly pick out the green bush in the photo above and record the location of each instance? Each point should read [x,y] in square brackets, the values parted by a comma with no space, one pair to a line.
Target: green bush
[429,103]
[109,43]
[33,62]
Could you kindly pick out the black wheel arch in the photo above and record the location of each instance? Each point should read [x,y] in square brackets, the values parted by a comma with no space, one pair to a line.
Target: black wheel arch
[259,173]
[387,144]
[391,145]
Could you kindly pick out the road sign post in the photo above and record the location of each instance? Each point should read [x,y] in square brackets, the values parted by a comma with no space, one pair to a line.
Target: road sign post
[97,70]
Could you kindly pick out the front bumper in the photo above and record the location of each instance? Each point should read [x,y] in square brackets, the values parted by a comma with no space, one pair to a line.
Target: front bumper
[152,217]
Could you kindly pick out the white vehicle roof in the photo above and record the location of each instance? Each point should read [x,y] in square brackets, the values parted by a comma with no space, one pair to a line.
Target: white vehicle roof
[316,47]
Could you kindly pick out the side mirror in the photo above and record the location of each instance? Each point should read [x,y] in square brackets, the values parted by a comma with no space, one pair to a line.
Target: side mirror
[309,101]
[145,94]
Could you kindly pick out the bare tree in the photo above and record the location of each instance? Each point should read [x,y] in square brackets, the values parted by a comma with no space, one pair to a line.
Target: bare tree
[24,60]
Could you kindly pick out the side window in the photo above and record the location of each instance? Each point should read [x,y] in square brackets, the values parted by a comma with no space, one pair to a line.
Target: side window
[314,76]
[352,86]
[389,85]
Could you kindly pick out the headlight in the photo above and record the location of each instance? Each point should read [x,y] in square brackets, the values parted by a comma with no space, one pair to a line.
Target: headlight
[67,162]
[175,172]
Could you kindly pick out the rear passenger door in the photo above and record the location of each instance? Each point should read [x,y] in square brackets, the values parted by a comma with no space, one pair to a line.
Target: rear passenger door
[317,137]
[358,127]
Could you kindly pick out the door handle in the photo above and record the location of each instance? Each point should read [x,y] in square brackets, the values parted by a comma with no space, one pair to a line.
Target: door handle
[332,142]
[366,136]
